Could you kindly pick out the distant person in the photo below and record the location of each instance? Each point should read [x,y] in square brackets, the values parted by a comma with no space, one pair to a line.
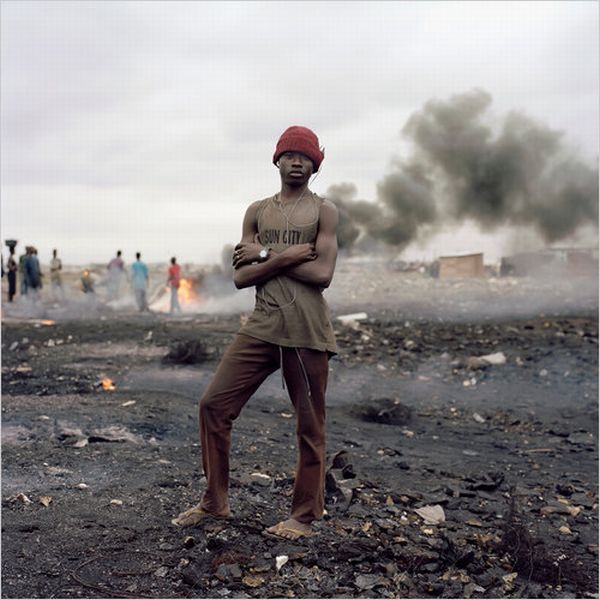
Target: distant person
[33,274]
[506,268]
[35,253]
[22,260]
[174,281]
[56,286]
[139,281]
[434,269]
[87,285]
[12,268]
[116,273]
[87,282]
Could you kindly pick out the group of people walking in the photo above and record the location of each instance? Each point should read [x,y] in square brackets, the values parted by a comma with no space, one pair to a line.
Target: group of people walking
[27,270]
[139,281]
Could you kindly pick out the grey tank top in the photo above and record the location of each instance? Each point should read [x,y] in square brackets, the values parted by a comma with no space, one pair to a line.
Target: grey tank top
[288,312]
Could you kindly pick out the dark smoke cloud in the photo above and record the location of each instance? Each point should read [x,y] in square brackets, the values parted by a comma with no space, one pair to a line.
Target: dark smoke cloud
[356,217]
[567,198]
[408,203]
[405,203]
[519,177]
[517,173]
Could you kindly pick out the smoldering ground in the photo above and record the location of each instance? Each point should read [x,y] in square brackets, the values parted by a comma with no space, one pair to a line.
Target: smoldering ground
[508,452]
[464,165]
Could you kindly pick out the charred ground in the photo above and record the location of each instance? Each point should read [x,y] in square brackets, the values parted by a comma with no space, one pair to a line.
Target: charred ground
[508,451]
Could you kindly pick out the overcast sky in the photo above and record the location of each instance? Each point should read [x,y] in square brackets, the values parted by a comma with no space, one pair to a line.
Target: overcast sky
[150,125]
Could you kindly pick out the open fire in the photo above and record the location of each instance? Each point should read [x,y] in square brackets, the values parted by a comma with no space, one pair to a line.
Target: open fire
[186,292]
[108,385]
[187,295]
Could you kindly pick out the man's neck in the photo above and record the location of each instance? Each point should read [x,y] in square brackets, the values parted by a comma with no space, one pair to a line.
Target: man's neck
[290,193]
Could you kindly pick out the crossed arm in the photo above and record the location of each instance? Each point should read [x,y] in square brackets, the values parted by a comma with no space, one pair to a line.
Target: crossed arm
[309,263]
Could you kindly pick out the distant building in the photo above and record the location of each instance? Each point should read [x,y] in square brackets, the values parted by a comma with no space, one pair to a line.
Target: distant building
[461,267]
[582,261]
[551,261]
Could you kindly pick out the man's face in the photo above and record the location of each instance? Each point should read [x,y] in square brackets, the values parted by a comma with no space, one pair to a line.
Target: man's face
[295,168]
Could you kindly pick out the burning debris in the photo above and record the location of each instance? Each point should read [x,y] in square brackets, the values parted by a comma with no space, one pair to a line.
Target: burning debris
[107,384]
[186,292]
[45,322]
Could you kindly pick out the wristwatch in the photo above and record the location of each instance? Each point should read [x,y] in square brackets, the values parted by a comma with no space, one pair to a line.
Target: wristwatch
[263,254]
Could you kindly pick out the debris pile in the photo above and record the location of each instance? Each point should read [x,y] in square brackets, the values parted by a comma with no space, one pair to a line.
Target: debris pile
[383,410]
[190,352]
[383,543]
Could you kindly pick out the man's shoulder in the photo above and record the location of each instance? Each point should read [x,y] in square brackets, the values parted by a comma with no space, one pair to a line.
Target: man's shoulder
[328,203]
[257,206]
[258,203]
[325,204]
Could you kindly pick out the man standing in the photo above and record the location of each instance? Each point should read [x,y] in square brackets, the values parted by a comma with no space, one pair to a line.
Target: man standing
[87,286]
[174,281]
[55,279]
[22,274]
[116,272]
[288,251]
[12,267]
[33,274]
[139,281]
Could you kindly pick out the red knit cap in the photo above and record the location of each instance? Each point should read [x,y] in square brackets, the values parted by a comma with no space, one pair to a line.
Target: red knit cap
[300,139]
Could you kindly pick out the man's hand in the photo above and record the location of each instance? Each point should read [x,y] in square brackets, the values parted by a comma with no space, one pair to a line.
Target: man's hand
[309,263]
[300,253]
[246,253]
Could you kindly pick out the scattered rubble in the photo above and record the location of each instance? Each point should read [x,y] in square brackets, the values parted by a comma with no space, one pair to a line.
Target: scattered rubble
[433,489]
[383,410]
[431,515]
[189,352]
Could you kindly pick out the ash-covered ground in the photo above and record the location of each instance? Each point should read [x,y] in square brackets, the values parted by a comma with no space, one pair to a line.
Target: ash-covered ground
[449,475]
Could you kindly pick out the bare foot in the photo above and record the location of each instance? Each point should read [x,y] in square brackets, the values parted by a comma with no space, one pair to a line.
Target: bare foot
[195,515]
[290,530]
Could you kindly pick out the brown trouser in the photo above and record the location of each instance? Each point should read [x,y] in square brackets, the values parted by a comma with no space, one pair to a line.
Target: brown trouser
[245,365]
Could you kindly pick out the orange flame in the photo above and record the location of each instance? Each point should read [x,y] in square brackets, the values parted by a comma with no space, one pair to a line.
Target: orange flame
[47,322]
[186,292]
[108,385]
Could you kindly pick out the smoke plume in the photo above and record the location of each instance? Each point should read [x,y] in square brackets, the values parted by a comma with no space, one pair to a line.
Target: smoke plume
[408,203]
[356,217]
[464,166]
